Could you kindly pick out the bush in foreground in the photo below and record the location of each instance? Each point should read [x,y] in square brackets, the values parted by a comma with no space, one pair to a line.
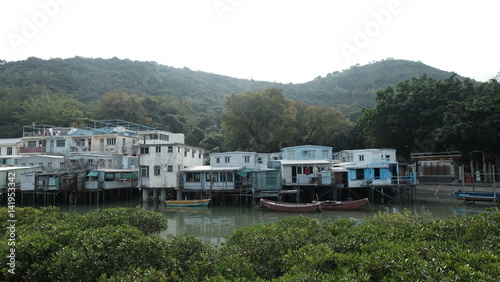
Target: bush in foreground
[113,245]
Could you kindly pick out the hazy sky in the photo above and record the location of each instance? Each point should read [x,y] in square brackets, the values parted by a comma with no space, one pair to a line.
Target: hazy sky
[281,40]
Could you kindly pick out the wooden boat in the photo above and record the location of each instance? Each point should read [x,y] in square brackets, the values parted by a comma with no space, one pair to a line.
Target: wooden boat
[289,207]
[343,205]
[477,196]
[188,203]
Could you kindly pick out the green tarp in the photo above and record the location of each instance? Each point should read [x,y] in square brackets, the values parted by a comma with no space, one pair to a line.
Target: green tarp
[93,173]
[244,172]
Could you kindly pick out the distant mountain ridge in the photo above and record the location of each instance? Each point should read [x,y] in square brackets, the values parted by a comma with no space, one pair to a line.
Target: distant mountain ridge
[89,79]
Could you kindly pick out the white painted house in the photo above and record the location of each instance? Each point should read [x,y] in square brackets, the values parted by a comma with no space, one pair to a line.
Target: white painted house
[306,165]
[10,146]
[162,157]
[233,170]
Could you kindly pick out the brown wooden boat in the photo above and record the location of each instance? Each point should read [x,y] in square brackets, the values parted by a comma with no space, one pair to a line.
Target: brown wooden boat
[343,205]
[289,207]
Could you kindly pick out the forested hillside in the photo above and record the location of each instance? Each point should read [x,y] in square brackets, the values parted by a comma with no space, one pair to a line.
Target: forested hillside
[175,99]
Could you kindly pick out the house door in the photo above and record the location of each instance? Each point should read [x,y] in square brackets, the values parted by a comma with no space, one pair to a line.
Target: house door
[101,145]
[51,147]
[294,174]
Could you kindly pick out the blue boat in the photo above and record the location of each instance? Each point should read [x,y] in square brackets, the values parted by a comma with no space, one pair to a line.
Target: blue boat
[477,196]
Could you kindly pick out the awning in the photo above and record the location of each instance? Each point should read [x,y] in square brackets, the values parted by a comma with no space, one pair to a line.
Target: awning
[93,173]
[244,172]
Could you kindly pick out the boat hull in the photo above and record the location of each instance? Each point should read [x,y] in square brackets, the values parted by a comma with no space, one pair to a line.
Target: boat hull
[477,196]
[188,203]
[343,205]
[290,207]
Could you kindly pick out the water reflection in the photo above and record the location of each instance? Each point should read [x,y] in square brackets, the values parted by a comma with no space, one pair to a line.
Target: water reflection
[214,223]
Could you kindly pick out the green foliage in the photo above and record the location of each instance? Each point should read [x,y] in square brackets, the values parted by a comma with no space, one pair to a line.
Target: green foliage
[63,91]
[50,108]
[428,115]
[108,249]
[147,222]
[264,121]
[53,245]
[56,245]
[258,121]
[386,247]
[194,259]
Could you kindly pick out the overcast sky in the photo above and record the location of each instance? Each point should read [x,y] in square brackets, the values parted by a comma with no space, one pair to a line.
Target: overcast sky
[280,40]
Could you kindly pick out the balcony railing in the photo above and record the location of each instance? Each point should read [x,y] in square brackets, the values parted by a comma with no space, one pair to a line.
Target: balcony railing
[31,150]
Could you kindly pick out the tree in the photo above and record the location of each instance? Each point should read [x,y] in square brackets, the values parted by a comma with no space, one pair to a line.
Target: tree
[122,105]
[195,136]
[50,108]
[323,124]
[258,121]
[409,117]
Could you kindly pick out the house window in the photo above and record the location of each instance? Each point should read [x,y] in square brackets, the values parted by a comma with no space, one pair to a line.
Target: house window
[291,154]
[111,141]
[158,149]
[9,151]
[49,165]
[60,143]
[164,137]
[360,174]
[192,177]
[246,159]
[31,143]
[325,153]
[217,160]
[80,142]
[144,150]
[361,158]
[157,170]
[90,163]
[376,173]
[170,149]
[259,160]
[144,171]
[170,168]
[227,159]
[312,154]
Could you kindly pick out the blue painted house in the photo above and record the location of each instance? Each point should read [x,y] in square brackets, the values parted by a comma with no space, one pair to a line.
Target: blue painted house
[370,167]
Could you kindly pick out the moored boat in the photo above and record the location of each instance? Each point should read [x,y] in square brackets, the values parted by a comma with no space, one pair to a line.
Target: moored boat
[343,205]
[289,207]
[187,203]
[477,196]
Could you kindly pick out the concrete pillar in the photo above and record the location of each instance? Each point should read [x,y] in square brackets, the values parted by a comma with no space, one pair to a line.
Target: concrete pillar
[155,194]
[145,194]
[163,195]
